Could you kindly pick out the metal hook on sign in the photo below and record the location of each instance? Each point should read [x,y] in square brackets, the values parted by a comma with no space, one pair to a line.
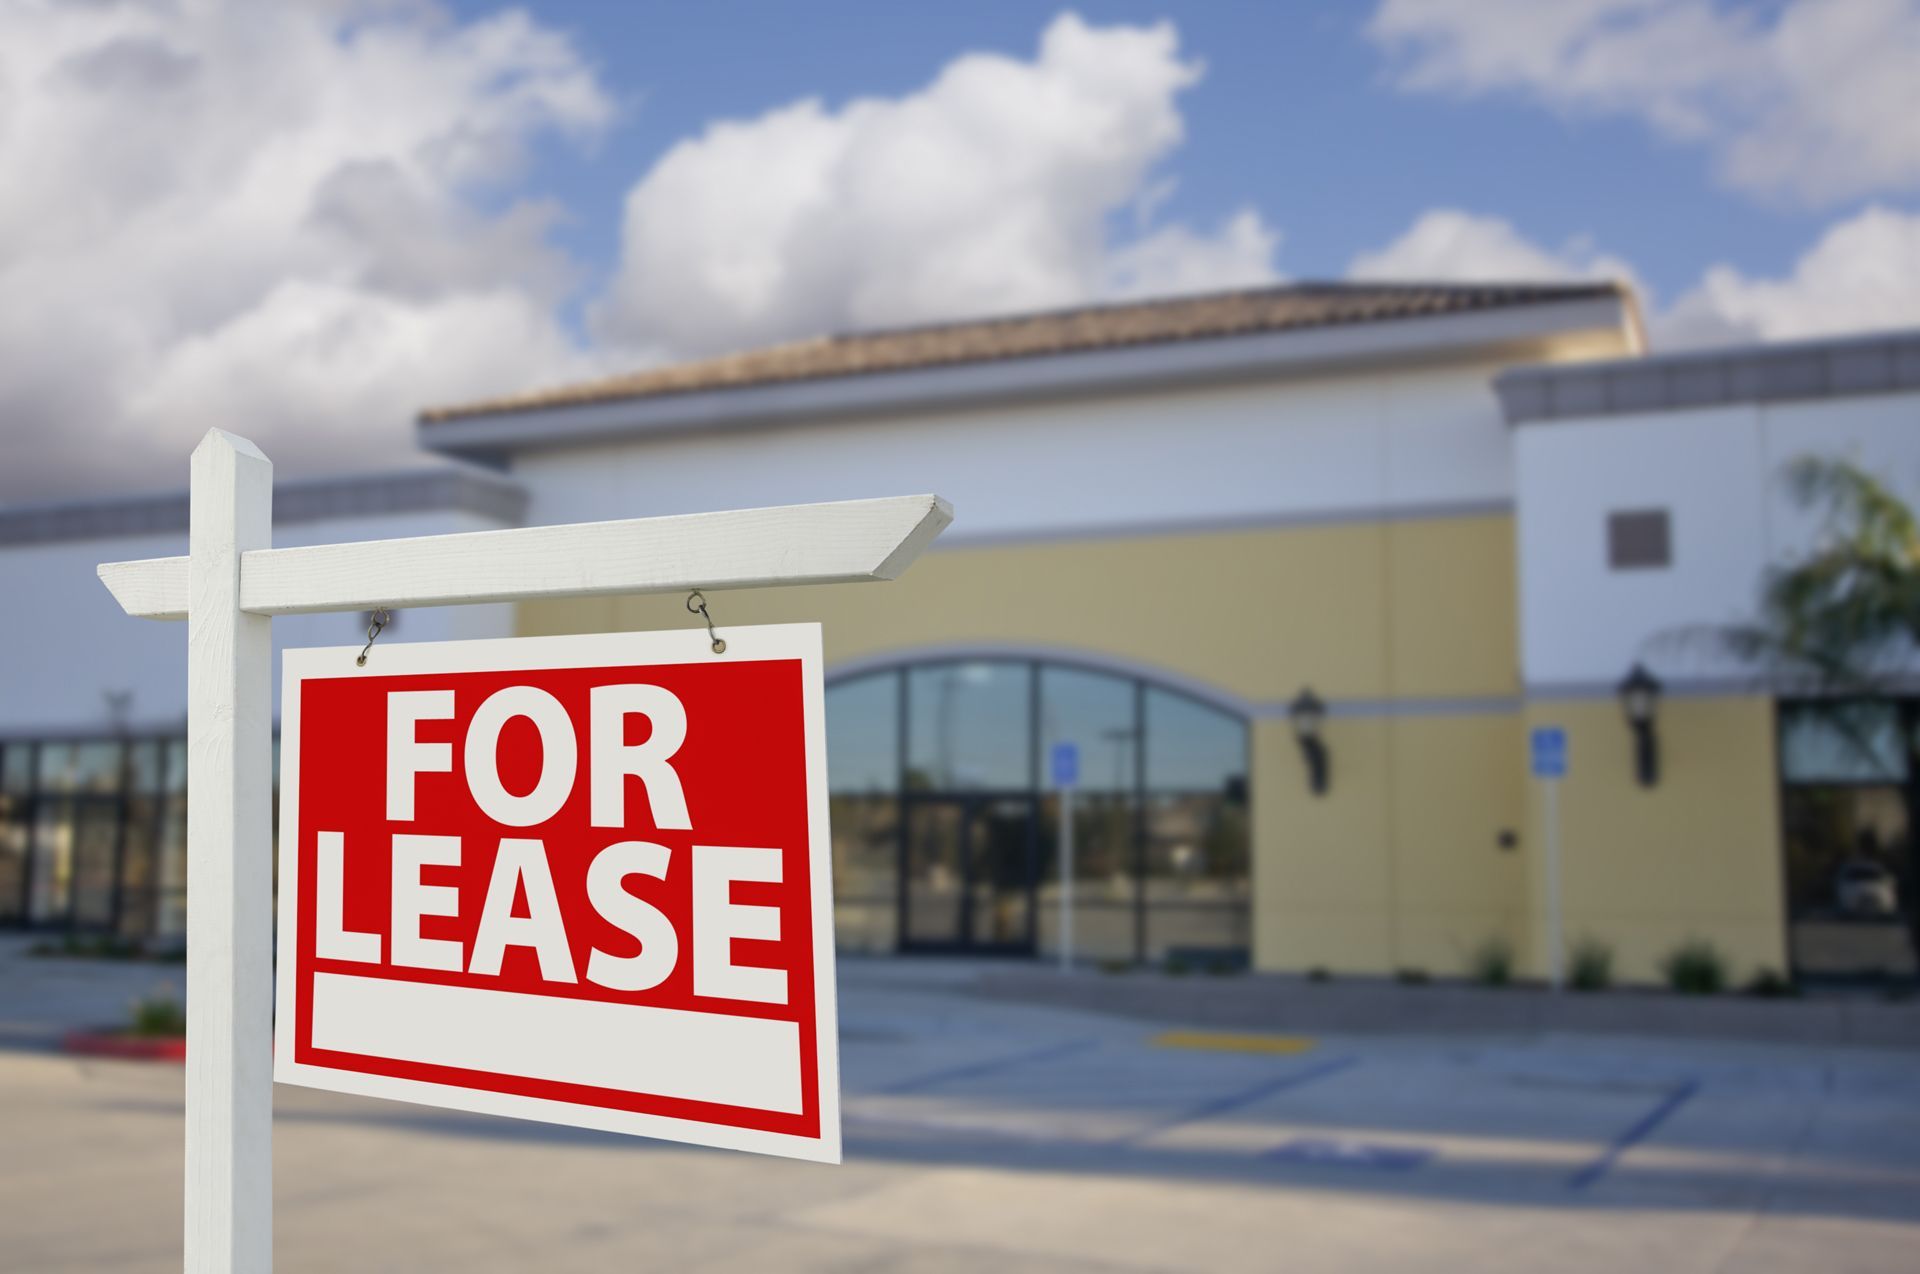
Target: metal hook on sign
[379,619]
[697,605]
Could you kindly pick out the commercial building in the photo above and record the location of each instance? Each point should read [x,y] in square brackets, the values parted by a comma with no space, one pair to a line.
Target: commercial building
[1296,569]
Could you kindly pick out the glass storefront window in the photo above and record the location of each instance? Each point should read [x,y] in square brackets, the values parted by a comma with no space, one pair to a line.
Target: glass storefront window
[16,767]
[1850,881]
[863,721]
[145,759]
[50,868]
[137,864]
[866,855]
[170,858]
[1096,713]
[173,773]
[93,832]
[80,767]
[969,726]
[1848,810]
[81,832]
[1106,889]
[1196,848]
[96,852]
[1192,747]
[1196,883]
[963,850]
[1842,743]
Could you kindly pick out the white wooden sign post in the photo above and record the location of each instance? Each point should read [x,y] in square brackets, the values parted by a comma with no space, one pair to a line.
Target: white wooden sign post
[227,589]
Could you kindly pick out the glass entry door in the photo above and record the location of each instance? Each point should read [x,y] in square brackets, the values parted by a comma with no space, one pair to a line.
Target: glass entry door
[1850,807]
[969,873]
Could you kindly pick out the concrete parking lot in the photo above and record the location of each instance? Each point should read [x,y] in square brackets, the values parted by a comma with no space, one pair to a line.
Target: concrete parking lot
[984,1135]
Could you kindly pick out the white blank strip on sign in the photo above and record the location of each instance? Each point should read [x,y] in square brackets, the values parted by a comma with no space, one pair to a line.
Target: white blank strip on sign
[736,1061]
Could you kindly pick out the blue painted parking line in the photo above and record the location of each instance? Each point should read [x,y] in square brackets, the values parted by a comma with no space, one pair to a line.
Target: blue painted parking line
[1245,1097]
[1641,1129]
[989,1066]
[1351,1154]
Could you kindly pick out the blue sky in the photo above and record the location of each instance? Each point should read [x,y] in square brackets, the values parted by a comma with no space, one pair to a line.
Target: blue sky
[1296,115]
[321,216]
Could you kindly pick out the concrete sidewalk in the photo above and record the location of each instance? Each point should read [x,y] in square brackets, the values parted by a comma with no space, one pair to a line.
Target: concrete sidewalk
[987,1137]
[990,1136]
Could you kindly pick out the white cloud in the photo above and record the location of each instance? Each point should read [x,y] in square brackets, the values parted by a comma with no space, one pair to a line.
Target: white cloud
[995,188]
[270,218]
[1176,258]
[1862,274]
[1815,99]
[297,220]
[1449,245]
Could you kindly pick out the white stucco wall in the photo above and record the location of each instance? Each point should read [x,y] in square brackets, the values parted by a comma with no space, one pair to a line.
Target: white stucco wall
[1719,472]
[67,644]
[1311,447]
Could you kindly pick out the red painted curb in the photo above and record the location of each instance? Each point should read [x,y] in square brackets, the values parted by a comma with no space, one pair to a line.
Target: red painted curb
[134,1048]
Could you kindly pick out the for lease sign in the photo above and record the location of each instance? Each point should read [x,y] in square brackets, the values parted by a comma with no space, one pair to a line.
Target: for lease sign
[576,879]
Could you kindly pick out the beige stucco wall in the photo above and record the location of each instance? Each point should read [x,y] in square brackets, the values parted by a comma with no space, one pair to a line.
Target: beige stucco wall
[1407,629]
[1399,866]
[1361,609]
[1695,856]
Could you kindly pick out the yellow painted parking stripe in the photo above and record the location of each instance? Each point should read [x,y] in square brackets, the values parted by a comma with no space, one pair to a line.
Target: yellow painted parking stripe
[1232,1043]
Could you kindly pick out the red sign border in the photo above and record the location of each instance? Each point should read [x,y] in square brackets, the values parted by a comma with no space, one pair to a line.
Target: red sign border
[800,642]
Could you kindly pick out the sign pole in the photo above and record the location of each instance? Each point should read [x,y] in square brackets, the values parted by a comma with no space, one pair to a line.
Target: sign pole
[229,1141]
[1555,947]
[1066,878]
[1547,758]
[1064,764]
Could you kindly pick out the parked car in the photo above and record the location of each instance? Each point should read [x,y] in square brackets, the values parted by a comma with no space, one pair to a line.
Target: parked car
[1863,887]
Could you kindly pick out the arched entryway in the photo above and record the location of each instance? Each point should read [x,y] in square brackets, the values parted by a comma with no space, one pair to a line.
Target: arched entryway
[946,831]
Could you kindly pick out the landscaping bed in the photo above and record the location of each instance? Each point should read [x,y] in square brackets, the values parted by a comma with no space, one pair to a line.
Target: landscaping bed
[1279,1002]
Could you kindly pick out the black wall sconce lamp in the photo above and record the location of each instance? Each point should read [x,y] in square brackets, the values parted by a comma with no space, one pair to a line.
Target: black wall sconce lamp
[1639,693]
[1308,714]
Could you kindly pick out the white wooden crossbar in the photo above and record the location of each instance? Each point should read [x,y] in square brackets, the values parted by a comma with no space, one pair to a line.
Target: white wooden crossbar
[834,543]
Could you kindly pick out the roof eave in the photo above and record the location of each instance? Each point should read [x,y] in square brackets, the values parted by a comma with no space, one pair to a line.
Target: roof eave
[436,488]
[1843,366]
[493,435]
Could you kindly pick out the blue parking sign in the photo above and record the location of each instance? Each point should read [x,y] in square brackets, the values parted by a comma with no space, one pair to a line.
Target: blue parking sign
[1065,759]
[1549,749]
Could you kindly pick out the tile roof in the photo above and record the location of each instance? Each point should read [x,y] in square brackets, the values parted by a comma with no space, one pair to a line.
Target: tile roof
[1187,318]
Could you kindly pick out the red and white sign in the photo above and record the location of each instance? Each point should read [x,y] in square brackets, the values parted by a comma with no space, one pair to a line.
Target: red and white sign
[577,879]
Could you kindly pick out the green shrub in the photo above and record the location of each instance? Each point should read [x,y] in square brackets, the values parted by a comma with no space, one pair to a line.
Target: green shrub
[1318,973]
[159,1014]
[1769,984]
[1591,965]
[1178,967]
[1413,977]
[1115,966]
[1492,962]
[1695,967]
